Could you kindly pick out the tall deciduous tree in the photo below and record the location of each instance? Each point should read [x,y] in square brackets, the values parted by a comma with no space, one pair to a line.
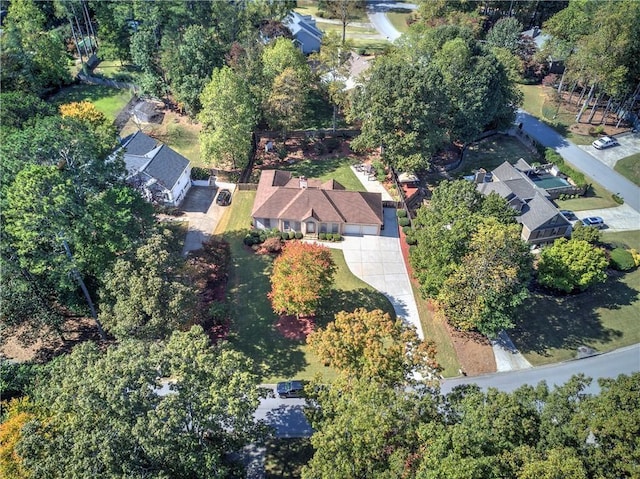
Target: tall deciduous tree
[103,413]
[490,282]
[226,138]
[189,60]
[33,58]
[505,34]
[280,55]
[570,265]
[345,11]
[143,296]
[302,276]
[365,429]
[402,107]
[372,346]
[286,102]
[17,413]
[445,228]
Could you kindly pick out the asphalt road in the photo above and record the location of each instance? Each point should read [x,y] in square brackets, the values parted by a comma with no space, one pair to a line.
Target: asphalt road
[287,415]
[609,365]
[376,11]
[583,161]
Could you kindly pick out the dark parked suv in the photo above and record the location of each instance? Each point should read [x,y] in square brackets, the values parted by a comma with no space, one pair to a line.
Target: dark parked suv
[290,389]
[224,198]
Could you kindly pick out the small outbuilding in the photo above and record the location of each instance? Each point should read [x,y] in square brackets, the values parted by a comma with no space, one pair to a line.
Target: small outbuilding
[147,112]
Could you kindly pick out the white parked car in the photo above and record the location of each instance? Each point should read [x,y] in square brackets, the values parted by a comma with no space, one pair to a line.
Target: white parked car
[604,142]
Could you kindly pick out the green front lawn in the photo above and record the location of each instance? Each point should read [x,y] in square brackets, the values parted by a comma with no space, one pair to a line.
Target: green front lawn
[492,152]
[604,318]
[597,197]
[398,18]
[338,169]
[629,167]
[436,330]
[622,239]
[253,322]
[116,70]
[109,101]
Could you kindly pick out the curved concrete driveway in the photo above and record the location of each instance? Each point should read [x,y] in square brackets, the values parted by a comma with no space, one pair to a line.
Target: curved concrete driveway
[378,261]
[583,161]
[376,11]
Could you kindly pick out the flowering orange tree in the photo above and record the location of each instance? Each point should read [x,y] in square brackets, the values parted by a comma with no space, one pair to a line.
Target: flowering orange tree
[302,276]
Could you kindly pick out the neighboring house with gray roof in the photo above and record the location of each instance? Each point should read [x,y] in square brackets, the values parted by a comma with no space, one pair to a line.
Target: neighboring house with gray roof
[313,206]
[306,35]
[160,173]
[541,221]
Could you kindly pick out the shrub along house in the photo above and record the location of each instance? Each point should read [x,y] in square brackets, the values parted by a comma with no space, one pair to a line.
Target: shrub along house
[160,173]
[541,221]
[312,206]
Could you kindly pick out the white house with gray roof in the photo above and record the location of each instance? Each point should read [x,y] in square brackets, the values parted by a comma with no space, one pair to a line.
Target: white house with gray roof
[541,221]
[160,173]
[306,35]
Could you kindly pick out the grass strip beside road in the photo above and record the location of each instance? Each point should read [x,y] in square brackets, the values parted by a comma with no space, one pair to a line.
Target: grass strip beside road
[597,197]
[629,167]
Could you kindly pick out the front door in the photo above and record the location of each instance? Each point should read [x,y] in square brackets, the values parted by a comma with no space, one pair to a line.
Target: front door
[311,227]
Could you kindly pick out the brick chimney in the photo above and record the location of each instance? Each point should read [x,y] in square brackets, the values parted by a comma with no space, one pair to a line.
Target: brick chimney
[303,182]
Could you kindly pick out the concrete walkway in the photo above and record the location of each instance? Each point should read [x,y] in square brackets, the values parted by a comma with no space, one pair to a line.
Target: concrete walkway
[373,186]
[378,261]
[507,356]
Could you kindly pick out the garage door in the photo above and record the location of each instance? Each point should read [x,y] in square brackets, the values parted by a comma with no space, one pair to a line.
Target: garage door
[352,230]
[370,230]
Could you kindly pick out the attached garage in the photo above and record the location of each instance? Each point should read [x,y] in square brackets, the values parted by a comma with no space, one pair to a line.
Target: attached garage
[350,229]
[370,230]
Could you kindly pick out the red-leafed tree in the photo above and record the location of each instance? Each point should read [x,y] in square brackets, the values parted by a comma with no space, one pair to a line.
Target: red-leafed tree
[302,276]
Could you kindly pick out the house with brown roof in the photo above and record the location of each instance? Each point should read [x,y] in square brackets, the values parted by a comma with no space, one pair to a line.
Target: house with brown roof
[541,221]
[312,206]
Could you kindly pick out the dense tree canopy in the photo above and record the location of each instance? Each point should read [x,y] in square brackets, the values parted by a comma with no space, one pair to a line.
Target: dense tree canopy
[470,258]
[372,346]
[433,90]
[490,282]
[34,59]
[403,109]
[364,429]
[102,413]
[145,295]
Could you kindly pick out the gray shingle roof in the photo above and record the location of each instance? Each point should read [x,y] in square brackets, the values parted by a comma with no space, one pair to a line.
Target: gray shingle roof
[139,144]
[167,166]
[539,211]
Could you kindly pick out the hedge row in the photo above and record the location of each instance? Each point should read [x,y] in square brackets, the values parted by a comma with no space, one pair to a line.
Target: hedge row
[260,236]
[552,157]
